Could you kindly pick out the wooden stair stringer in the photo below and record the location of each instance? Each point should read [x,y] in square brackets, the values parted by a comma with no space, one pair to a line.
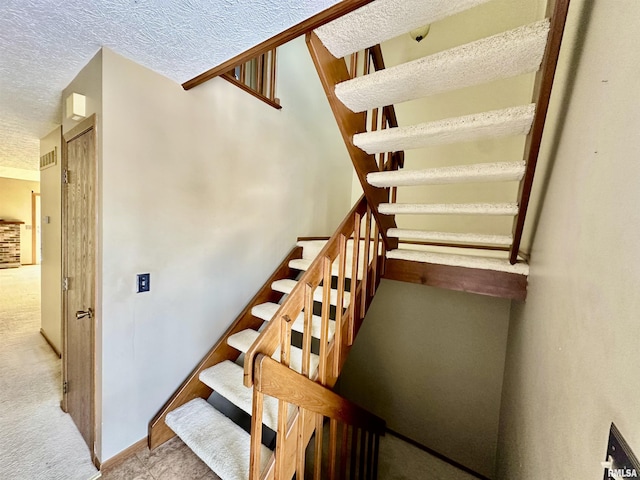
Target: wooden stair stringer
[474,280]
[332,71]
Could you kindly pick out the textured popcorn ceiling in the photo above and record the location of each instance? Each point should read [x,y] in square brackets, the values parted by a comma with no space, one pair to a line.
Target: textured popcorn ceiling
[45,43]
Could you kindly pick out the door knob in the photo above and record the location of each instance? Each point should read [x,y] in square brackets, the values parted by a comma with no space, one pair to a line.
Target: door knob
[82,313]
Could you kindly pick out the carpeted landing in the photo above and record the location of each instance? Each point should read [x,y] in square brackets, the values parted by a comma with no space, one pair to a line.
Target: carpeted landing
[38,441]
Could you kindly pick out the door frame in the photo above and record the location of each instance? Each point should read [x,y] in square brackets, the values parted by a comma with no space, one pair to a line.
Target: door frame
[34,227]
[83,127]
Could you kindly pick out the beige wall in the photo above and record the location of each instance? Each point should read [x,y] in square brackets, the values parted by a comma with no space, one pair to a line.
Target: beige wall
[430,362]
[207,190]
[50,201]
[573,364]
[15,204]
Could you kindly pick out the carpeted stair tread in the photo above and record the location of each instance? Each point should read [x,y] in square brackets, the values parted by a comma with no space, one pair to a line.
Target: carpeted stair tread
[227,379]
[243,340]
[287,285]
[493,124]
[219,442]
[304,264]
[475,238]
[504,55]
[266,311]
[385,19]
[480,172]
[448,208]
[484,263]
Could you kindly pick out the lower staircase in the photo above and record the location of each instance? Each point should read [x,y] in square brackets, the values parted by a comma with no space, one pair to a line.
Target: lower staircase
[273,370]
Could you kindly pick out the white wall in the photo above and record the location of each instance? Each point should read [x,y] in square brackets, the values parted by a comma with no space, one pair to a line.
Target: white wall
[51,203]
[572,362]
[430,362]
[207,190]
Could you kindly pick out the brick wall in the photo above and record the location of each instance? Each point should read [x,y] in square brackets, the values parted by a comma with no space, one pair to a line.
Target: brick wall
[9,245]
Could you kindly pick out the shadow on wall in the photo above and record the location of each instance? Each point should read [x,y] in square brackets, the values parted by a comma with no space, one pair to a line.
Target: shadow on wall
[566,95]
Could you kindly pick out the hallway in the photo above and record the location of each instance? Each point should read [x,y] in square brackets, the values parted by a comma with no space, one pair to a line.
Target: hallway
[38,440]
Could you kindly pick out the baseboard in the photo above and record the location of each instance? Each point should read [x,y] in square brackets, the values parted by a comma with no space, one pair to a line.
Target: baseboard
[53,347]
[124,455]
[440,456]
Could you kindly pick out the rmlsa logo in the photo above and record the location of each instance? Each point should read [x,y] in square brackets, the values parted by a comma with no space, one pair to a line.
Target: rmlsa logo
[619,472]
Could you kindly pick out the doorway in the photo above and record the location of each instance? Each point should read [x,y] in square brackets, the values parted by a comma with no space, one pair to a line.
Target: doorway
[78,270]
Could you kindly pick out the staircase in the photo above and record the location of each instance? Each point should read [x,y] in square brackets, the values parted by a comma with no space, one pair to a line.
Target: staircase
[362,94]
[276,365]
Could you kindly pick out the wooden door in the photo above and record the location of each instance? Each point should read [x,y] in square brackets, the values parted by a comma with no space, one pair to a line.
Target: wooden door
[79,170]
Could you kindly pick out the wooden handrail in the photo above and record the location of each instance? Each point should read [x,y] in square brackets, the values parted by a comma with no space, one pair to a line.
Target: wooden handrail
[541,96]
[326,16]
[294,434]
[276,380]
[331,72]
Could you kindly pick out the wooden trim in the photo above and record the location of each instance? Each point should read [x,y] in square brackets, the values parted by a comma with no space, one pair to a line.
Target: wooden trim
[119,458]
[326,16]
[276,380]
[229,78]
[438,455]
[33,227]
[192,387]
[473,280]
[456,245]
[331,72]
[541,96]
[53,347]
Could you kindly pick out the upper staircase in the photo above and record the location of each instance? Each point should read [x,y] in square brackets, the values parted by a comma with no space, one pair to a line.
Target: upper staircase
[363,94]
[270,376]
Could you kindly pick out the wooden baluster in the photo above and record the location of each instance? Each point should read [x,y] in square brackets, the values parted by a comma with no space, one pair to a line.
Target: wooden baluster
[243,72]
[260,75]
[354,448]
[374,261]
[369,464]
[365,275]
[383,257]
[353,65]
[337,336]
[301,448]
[376,452]
[354,276]
[317,464]
[256,435]
[367,61]
[363,452]
[343,451]
[283,406]
[272,83]
[308,328]
[333,447]
[324,330]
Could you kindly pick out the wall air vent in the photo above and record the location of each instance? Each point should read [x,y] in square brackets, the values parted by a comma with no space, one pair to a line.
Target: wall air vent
[49,159]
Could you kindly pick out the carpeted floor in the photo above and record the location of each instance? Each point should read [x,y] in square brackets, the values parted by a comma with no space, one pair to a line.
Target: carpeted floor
[38,441]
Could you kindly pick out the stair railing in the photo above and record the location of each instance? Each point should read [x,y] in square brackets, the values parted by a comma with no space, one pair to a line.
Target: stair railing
[355,250]
[347,437]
